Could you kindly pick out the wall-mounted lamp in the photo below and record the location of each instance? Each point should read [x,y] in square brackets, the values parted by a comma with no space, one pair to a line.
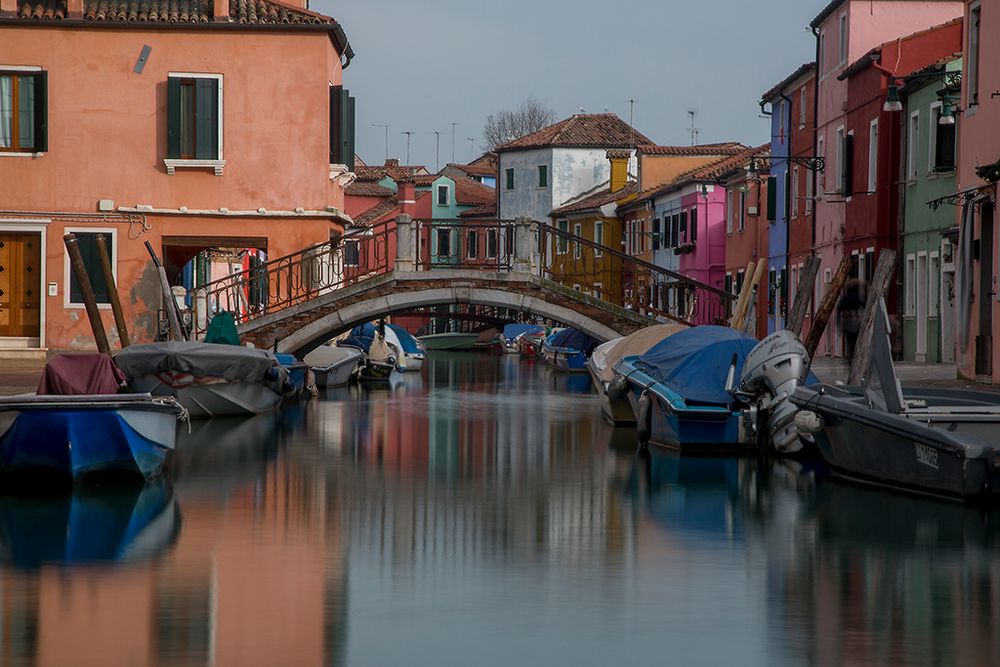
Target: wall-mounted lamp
[947,116]
[892,102]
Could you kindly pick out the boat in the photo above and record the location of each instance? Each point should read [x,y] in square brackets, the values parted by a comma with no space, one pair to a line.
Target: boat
[413,351]
[380,358]
[450,341]
[88,524]
[75,426]
[507,341]
[601,366]
[529,344]
[298,372]
[939,442]
[333,365]
[679,389]
[567,350]
[209,379]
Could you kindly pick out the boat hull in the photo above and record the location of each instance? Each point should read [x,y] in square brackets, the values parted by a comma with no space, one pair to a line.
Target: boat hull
[336,375]
[565,359]
[373,371]
[414,362]
[204,398]
[449,341]
[78,438]
[619,412]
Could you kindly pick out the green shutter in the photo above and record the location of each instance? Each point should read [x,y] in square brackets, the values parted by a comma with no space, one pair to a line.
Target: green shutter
[41,112]
[848,166]
[87,242]
[206,119]
[346,129]
[335,125]
[694,225]
[173,118]
[772,198]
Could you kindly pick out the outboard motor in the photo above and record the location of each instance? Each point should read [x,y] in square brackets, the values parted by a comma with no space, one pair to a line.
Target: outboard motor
[771,373]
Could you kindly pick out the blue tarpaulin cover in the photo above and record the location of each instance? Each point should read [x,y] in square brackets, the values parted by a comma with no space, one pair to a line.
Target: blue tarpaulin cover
[574,339]
[361,337]
[695,362]
[512,331]
[408,342]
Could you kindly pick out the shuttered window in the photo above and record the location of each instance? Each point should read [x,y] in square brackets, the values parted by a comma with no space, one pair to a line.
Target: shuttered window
[772,198]
[87,242]
[194,125]
[694,225]
[24,112]
[342,118]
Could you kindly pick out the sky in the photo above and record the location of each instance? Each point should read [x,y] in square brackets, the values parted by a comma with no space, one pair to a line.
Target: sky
[422,65]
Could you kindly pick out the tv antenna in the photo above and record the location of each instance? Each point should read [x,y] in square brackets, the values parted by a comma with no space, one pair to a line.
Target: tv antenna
[693,112]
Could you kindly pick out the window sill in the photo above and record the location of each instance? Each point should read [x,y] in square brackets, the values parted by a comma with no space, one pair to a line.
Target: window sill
[172,164]
[80,306]
[20,154]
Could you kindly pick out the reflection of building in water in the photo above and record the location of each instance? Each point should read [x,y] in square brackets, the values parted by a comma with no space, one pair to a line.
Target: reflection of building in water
[252,580]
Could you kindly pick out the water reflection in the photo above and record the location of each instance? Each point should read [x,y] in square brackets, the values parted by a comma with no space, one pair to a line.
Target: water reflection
[482,512]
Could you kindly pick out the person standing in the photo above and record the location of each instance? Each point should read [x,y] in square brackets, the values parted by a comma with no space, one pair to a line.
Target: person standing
[850,310]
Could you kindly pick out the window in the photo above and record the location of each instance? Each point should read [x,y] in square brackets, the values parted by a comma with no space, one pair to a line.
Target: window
[821,179]
[869,273]
[872,155]
[444,197]
[743,209]
[443,242]
[972,55]
[838,165]
[793,194]
[509,175]
[23,112]
[675,224]
[729,283]
[656,234]
[578,232]
[912,143]
[87,242]
[351,253]
[598,290]
[771,291]
[934,293]
[781,121]
[684,227]
[847,168]
[194,117]
[802,107]
[341,127]
[730,196]
[598,238]
[843,38]
[739,280]
[809,192]
[911,279]
[472,243]
[492,247]
[822,54]
[694,225]
[543,176]
[772,198]
[562,245]
[942,143]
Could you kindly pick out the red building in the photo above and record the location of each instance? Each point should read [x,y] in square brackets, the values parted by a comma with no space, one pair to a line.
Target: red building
[872,169]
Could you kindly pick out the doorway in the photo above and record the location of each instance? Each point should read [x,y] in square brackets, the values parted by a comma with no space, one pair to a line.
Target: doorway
[21,286]
[984,340]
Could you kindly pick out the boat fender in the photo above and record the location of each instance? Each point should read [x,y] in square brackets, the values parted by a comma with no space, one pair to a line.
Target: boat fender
[807,421]
[642,417]
[617,388]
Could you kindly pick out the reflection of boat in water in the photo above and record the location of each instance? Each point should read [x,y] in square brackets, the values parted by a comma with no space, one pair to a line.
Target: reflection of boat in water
[88,524]
[449,341]
[225,449]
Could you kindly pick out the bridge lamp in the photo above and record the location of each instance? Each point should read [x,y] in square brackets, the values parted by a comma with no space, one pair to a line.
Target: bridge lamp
[892,102]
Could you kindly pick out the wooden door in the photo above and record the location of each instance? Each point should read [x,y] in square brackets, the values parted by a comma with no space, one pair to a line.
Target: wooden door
[20,285]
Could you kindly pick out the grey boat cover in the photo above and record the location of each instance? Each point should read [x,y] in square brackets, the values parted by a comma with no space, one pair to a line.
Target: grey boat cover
[231,362]
[607,356]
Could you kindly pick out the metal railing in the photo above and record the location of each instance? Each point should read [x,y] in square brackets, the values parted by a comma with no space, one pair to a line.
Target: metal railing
[427,245]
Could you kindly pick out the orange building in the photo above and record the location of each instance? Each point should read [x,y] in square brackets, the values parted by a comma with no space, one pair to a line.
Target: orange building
[216,125]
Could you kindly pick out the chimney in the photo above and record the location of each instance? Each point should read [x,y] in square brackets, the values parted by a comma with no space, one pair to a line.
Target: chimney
[8,8]
[619,168]
[221,11]
[391,162]
[74,9]
[406,191]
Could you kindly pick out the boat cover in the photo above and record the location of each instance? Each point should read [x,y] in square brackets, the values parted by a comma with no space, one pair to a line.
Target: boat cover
[512,331]
[80,375]
[222,330]
[695,362]
[406,341]
[607,355]
[328,355]
[230,362]
[361,337]
[573,339]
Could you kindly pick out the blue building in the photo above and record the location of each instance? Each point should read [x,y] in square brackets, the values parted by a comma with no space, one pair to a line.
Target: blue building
[777,210]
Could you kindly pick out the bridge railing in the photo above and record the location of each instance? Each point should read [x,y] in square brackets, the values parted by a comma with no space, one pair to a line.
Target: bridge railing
[458,244]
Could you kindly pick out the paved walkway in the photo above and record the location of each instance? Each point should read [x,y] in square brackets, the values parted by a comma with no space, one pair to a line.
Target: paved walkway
[19,377]
[829,369]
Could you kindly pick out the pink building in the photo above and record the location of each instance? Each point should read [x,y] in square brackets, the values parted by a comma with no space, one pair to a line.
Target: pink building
[198,126]
[845,31]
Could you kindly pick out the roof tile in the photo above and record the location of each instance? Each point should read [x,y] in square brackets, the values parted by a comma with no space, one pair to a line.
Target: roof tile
[596,201]
[245,12]
[724,148]
[599,130]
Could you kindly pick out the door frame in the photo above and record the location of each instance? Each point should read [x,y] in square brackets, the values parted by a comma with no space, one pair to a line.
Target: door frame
[40,227]
[922,285]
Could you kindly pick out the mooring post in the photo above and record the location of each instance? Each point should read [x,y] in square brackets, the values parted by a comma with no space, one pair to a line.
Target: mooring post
[87,291]
[879,285]
[405,257]
[109,280]
[523,244]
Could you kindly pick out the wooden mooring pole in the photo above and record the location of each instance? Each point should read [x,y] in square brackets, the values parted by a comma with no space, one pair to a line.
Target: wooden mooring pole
[169,304]
[876,291]
[87,291]
[803,294]
[109,280]
[827,305]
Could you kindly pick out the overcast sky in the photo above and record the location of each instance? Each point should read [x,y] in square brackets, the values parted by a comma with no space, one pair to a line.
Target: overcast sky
[424,64]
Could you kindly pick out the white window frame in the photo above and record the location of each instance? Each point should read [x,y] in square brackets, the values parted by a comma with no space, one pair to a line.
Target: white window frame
[729,211]
[22,69]
[598,290]
[841,135]
[872,156]
[913,147]
[802,107]
[809,193]
[932,131]
[842,48]
[547,176]
[793,195]
[821,181]
[934,289]
[599,237]
[492,249]
[743,210]
[562,243]
[822,54]
[973,70]
[910,292]
[218,165]
[471,243]
[112,234]
[577,232]
[437,194]
[357,244]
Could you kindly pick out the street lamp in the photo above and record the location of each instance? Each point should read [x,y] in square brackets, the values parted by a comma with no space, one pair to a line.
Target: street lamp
[892,102]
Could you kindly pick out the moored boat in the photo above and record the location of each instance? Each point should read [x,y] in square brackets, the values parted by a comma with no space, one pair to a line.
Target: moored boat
[209,379]
[450,341]
[380,358]
[412,350]
[298,372]
[507,341]
[333,365]
[529,344]
[567,350]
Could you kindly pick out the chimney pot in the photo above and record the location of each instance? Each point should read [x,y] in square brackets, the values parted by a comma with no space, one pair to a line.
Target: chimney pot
[8,7]
[74,9]
[406,191]
[220,11]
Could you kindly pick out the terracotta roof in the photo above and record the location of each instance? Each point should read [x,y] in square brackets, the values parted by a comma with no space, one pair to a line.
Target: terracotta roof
[618,154]
[477,170]
[599,130]
[368,189]
[425,180]
[480,212]
[724,148]
[241,13]
[596,201]
[778,88]
[471,193]
[377,212]
[709,172]
[377,173]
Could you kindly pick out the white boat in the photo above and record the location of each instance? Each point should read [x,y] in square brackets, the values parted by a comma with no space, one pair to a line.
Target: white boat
[333,366]
[208,379]
[411,348]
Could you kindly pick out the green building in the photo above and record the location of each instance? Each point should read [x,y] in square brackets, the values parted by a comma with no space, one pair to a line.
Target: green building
[928,253]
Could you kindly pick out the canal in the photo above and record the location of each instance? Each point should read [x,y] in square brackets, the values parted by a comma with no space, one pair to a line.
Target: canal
[483,513]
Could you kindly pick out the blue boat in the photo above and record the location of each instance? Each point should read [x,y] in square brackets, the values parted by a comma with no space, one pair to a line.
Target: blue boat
[88,524]
[413,349]
[506,341]
[297,373]
[678,389]
[568,350]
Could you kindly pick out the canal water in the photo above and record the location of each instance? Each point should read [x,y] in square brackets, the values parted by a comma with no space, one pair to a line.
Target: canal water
[483,513]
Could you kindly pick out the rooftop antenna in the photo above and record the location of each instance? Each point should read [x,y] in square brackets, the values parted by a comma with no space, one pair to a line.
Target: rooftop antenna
[437,151]
[631,123]
[408,135]
[386,128]
[693,112]
[453,125]
[472,146]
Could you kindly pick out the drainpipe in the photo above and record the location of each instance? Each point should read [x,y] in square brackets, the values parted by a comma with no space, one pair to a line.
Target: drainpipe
[788,213]
[815,174]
